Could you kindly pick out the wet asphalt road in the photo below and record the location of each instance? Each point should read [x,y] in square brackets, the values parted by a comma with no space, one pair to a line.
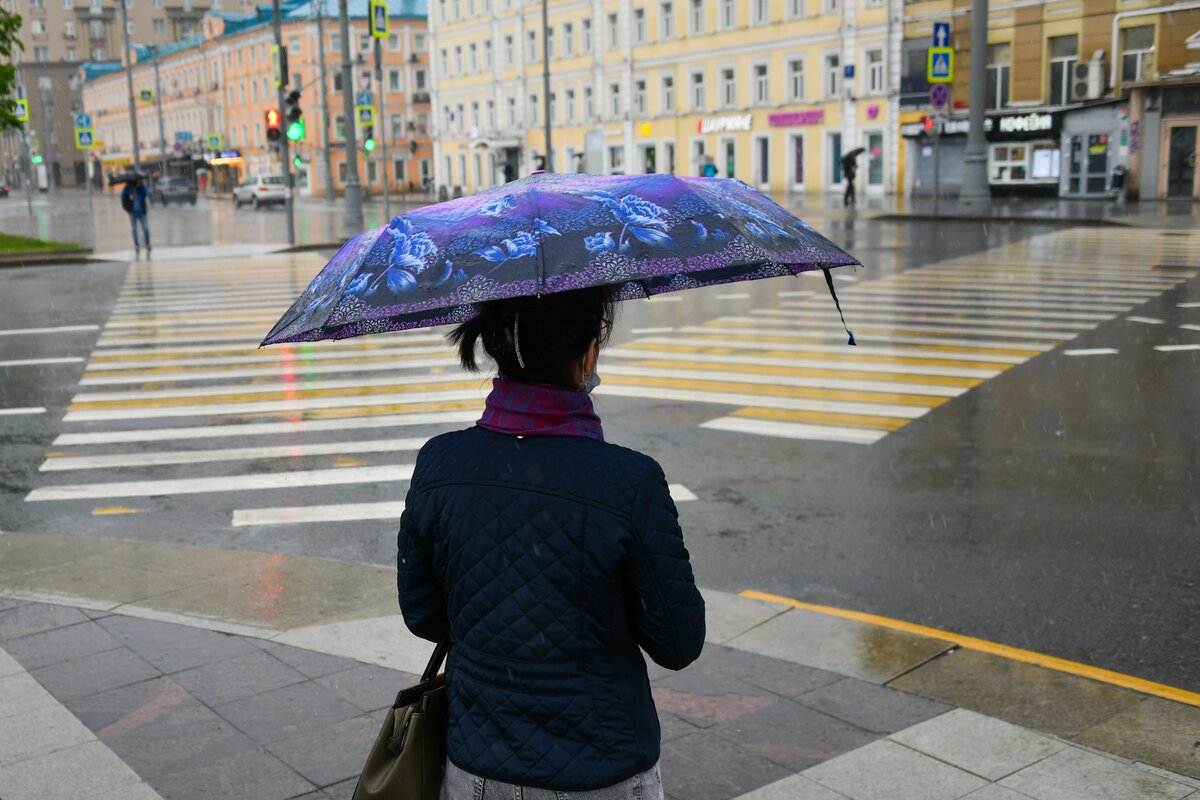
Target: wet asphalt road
[1052,507]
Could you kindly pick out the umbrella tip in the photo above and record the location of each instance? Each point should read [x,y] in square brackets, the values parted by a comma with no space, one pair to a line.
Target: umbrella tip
[538,172]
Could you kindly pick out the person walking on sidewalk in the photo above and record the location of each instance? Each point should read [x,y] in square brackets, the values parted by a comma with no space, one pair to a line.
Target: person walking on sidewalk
[547,557]
[134,201]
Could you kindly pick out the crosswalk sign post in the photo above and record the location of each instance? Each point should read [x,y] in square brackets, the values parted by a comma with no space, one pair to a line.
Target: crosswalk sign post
[379,19]
[940,67]
[365,115]
[20,109]
[85,138]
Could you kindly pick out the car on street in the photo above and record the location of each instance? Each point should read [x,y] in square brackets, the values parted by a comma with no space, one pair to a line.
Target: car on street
[4,190]
[173,189]
[260,190]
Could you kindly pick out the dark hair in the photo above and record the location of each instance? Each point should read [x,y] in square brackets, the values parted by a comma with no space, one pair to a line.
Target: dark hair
[553,333]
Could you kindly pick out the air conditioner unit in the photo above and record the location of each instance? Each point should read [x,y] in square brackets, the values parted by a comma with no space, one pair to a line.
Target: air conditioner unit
[1087,80]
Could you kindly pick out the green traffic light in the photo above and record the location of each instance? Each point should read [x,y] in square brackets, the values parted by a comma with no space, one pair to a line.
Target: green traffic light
[37,159]
[298,161]
[295,131]
[369,145]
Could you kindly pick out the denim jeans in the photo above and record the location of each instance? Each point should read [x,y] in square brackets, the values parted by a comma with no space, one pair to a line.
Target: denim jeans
[462,785]
[133,223]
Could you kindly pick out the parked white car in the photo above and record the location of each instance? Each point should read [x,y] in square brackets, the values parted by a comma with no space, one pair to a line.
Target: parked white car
[260,190]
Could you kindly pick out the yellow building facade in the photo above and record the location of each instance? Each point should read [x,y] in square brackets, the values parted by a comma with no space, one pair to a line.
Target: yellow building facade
[772,92]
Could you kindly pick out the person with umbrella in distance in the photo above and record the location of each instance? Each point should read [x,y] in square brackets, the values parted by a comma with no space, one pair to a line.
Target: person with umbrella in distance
[546,559]
[849,173]
[134,201]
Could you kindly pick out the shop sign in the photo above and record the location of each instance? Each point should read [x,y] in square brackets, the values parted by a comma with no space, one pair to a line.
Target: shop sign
[795,118]
[950,127]
[735,122]
[1021,125]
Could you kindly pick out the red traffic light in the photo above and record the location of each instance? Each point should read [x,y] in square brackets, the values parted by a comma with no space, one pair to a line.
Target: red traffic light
[273,118]
[927,122]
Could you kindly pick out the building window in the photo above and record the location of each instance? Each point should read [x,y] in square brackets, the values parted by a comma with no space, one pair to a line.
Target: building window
[393,80]
[38,27]
[668,94]
[698,98]
[71,54]
[570,105]
[487,53]
[420,80]
[568,39]
[762,87]
[667,17]
[419,42]
[1137,53]
[999,66]
[639,26]
[832,7]
[472,58]
[616,157]
[458,60]
[339,128]
[760,11]
[795,9]
[585,36]
[533,109]
[491,113]
[444,61]
[460,117]
[589,103]
[696,17]
[1064,54]
[833,75]
[512,112]
[728,13]
[639,97]
[728,87]
[393,44]
[614,32]
[550,43]
[531,52]
[510,54]
[796,79]
[553,112]
[874,76]
[614,99]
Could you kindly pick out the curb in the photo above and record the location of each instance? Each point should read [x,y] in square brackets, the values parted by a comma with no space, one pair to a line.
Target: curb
[1073,222]
[47,258]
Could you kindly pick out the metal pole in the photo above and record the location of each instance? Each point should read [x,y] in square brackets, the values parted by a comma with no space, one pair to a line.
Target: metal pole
[353,189]
[87,176]
[137,148]
[387,200]
[326,154]
[974,180]
[284,157]
[46,133]
[26,159]
[549,161]
[937,163]
[162,128]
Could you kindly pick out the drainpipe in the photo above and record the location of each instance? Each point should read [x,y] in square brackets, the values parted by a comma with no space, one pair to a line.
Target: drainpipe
[1116,29]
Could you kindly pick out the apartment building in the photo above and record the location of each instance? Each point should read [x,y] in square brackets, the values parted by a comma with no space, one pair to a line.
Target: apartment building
[217,86]
[769,91]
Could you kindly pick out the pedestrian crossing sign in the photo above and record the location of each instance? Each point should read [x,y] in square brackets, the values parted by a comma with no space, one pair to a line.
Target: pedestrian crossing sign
[214,141]
[941,65]
[20,109]
[146,95]
[379,19]
[365,115]
[85,138]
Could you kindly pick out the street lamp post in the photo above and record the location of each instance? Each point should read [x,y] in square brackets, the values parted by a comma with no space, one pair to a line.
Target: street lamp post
[284,155]
[387,199]
[549,161]
[353,189]
[974,180]
[326,150]
[133,123]
[162,129]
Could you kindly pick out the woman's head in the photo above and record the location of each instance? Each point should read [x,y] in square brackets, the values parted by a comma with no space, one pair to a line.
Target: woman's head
[551,339]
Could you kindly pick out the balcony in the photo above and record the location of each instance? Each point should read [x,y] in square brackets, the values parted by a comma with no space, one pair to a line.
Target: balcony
[420,97]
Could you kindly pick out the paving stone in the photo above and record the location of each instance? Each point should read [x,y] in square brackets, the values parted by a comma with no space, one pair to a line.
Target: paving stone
[174,648]
[995,792]
[332,753]
[45,729]
[236,678]
[19,694]
[343,790]
[29,618]
[887,770]
[704,766]
[125,705]
[796,787]
[61,644]
[849,648]
[706,710]
[725,669]
[76,772]
[94,673]
[275,716]
[988,747]
[367,686]
[1156,731]
[673,726]
[729,615]
[9,665]
[1023,694]
[871,706]
[308,662]
[138,791]
[247,774]
[1074,774]
[10,602]
[792,736]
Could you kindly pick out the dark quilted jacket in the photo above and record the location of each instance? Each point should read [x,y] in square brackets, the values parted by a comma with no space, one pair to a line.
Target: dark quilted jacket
[550,560]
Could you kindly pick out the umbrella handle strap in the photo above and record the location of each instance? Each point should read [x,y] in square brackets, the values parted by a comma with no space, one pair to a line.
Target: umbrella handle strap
[833,293]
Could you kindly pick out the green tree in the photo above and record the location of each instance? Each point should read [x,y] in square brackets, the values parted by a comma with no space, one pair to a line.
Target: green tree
[10,42]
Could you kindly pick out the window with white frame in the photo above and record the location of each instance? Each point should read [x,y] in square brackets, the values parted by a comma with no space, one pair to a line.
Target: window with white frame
[728,14]
[614,32]
[999,68]
[1064,54]
[639,97]
[419,80]
[589,103]
[616,157]
[874,73]
[460,117]
[419,42]
[472,58]
[568,39]
[393,80]
[699,98]
[668,94]
[474,113]
[585,36]
[762,85]
[510,51]
[458,59]
[487,53]
[696,16]
[550,51]
[1137,53]
[614,99]
[443,61]
[512,112]
[795,9]
[795,72]
[533,109]
[760,11]
[832,6]
[554,106]
[833,75]
[639,26]
[570,105]
[728,87]
[69,28]
[531,47]
[37,26]
[490,107]
[666,16]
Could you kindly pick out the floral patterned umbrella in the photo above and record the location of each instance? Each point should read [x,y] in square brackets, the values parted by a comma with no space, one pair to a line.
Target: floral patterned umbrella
[641,234]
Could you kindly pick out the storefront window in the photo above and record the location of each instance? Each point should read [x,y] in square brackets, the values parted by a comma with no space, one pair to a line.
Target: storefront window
[1045,164]
[1008,163]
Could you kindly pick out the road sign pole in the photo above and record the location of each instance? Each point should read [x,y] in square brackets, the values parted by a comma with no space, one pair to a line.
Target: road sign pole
[133,121]
[937,162]
[28,181]
[285,161]
[353,189]
[974,180]
[387,198]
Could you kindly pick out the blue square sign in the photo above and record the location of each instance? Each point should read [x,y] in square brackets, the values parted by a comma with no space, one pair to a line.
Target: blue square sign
[941,34]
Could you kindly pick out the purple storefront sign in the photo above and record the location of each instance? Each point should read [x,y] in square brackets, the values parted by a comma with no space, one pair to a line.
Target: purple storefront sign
[795,118]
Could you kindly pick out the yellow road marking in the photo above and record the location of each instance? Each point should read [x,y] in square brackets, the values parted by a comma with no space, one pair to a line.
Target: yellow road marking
[345,461]
[851,357]
[891,398]
[291,349]
[104,511]
[811,372]
[993,648]
[298,365]
[940,348]
[823,418]
[376,411]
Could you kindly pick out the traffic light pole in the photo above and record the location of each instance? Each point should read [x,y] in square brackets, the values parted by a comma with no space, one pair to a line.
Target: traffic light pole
[353,189]
[387,200]
[326,155]
[27,178]
[137,147]
[284,156]
[162,131]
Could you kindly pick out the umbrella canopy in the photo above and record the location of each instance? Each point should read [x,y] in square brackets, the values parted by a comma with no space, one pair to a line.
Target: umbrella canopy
[853,154]
[642,235]
[127,177]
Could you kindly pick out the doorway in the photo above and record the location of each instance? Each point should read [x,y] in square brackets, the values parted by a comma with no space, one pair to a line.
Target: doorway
[649,158]
[728,163]
[796,168]
[1088,164]
[1179,177]
[873,141]
[762,162]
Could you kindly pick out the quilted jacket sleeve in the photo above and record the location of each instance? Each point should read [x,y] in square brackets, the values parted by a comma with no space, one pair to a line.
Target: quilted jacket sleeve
[422,601]
[668,611]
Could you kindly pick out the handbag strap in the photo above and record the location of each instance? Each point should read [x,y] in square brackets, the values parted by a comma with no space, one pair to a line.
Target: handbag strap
[435,660]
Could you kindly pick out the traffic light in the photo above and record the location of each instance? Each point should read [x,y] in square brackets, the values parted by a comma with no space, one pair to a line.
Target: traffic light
[927,123]
[298,162]
[37,159]
[273,121]
[369,138]
[292,110]
[296,131]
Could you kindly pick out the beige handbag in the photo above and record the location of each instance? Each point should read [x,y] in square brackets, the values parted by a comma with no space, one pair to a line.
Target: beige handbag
[408,759]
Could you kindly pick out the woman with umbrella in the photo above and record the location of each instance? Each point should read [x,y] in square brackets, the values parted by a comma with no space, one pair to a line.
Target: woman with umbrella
[850,172]
[545,557]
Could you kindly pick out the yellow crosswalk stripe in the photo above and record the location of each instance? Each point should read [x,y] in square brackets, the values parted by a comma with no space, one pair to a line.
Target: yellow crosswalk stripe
[890,398]
[848,356]
[808,372]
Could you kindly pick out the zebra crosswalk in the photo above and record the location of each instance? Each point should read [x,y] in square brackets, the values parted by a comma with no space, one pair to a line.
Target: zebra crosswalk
[177,400]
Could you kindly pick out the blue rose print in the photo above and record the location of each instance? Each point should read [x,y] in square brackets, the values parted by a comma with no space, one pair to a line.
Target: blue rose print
[409,248]
[639,218]
[498,206]
[545,228]
[519,246]
[599,242]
